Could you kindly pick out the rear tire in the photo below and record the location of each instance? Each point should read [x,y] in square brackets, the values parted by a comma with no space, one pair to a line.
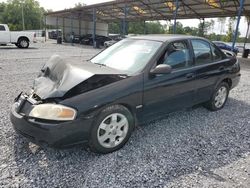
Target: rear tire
[111,129]
[219,97]
[23,43]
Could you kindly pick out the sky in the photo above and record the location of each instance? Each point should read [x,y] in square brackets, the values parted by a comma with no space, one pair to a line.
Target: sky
[63,4]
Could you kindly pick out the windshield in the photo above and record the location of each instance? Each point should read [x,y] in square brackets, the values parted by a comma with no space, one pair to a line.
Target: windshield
[128,55]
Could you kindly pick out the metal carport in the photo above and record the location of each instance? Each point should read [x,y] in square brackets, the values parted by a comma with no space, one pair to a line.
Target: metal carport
[146,10]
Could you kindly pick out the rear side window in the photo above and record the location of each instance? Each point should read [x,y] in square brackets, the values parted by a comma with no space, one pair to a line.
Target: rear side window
[177,55]
[217,56]
[2,28]
[202,52]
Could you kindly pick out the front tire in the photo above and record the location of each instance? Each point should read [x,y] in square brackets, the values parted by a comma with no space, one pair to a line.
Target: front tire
[219,97]
[111,130]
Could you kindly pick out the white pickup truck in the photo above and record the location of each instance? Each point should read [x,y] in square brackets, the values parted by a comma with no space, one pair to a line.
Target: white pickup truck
[19,38]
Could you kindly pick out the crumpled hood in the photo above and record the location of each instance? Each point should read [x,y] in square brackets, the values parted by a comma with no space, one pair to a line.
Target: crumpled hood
[58,77]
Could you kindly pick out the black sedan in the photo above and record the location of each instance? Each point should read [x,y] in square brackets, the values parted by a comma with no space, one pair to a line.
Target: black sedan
[134,81]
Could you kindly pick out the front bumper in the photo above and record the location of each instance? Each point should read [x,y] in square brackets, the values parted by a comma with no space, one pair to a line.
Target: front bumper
[55,134]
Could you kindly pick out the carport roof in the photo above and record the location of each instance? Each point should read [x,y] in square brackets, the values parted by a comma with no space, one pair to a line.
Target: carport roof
[155,10]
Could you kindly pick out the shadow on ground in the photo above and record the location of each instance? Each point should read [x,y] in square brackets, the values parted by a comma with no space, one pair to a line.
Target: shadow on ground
[157,153]
[15,48]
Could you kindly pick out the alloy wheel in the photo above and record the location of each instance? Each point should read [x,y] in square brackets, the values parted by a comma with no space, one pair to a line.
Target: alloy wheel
[112,130]
[220,97]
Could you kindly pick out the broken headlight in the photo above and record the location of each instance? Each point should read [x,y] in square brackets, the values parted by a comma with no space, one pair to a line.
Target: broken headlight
[53,112]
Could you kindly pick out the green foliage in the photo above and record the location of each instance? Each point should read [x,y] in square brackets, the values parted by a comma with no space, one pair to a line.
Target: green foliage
[179,28]
[205,27]
[230,30]
[136,27]
[114,27]
[153,27]
[12,14]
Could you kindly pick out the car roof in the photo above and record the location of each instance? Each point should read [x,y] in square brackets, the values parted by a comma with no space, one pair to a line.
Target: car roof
[166,37]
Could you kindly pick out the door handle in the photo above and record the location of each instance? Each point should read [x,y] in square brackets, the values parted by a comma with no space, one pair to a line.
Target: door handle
[190,75]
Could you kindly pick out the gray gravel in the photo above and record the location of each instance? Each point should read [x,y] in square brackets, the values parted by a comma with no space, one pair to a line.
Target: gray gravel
[194,148]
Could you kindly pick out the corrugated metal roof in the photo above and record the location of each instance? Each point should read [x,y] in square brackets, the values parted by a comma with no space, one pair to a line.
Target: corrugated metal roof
[155,10]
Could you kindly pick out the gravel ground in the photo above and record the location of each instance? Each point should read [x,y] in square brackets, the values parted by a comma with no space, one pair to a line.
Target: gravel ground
[194,148]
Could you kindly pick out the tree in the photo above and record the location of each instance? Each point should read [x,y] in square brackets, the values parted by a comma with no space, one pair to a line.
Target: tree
[222,22]
[2,7]
[33,14]
[205,27]
[191,30]
[247,18]
[152,27]
[114,28]
[230,31]
[179,28]
[155,27]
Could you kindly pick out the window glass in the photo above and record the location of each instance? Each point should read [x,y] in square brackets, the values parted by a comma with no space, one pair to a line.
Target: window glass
[177,55]
[202,52]
[129,55]
[2,28]
[216,54]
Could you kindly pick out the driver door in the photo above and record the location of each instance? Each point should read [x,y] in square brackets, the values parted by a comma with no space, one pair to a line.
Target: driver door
[164,93]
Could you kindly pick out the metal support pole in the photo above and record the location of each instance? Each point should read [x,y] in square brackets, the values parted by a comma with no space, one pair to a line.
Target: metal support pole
[72,34]
[57,27]
[71,24]
[45,28]
[203,27]
[80,27]
[23,17]
[124,23]
[144,27]
[175,14]
[63,30]
[94,27]
[238,22]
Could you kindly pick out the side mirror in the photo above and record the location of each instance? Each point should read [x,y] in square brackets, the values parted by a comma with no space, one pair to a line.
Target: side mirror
[161,69]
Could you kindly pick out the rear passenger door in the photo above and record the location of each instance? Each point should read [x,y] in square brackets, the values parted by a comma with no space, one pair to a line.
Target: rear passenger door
[210,66]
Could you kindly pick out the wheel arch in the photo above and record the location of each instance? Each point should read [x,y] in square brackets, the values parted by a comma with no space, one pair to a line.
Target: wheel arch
[228,81]
[127,106]
[23,37]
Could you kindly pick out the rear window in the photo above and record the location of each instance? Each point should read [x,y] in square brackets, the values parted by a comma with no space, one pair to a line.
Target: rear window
[202,51]
[2,28]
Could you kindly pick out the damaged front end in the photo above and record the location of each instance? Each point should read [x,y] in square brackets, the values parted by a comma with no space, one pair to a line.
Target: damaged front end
[59,79]
[42,116]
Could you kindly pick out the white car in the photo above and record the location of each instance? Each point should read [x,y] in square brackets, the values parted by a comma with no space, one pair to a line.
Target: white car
[19,38]
[109,43]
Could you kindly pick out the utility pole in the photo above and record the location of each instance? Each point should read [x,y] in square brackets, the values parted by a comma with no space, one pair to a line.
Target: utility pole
[23,16]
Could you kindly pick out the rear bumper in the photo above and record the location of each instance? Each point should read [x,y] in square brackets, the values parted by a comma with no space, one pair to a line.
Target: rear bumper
[53,134]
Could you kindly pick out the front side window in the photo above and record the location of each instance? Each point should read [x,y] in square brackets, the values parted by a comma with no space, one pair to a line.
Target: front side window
[2,28]
[129,55]
[177,55]
[202,52]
